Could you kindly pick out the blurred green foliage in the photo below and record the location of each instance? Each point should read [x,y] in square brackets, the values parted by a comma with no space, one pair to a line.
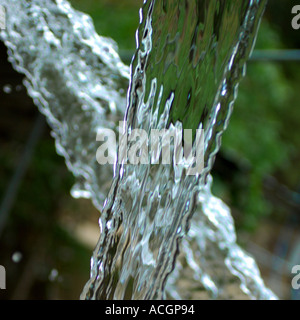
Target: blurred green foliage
[262,132]
[114,19]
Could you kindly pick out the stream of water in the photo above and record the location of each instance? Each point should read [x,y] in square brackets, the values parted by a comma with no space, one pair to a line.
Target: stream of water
[163,234]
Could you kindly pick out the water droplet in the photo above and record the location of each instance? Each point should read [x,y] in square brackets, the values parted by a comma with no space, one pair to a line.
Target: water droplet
[53,275]
[77,192]
[17,257]
[7,88]
[19,87]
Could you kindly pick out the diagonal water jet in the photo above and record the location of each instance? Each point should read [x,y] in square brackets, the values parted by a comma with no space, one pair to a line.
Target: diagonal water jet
[190,58]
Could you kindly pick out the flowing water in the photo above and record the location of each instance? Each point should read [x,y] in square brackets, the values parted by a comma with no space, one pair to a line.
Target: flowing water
[162,232]
[75,77]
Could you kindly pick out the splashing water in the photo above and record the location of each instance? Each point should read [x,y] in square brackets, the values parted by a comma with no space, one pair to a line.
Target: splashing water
[75,77]
[7,89]
[189,61]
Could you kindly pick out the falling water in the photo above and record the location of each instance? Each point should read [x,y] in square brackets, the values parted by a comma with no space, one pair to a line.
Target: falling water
[75,77]
[189,60]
